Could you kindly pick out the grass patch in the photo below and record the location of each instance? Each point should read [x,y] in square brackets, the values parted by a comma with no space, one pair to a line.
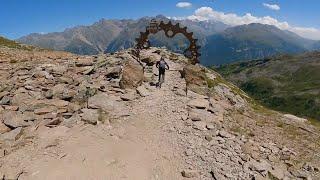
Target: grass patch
[214,82]
[12,44]
[315,123]
[261,109]
[238,130]
[259,88]
[238,67]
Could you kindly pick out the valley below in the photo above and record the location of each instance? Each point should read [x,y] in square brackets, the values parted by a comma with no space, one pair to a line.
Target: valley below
[288,83]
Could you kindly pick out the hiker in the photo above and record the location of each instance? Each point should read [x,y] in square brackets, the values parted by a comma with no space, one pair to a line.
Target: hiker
[162,66]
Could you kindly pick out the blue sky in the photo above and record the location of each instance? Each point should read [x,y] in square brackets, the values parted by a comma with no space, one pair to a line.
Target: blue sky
[21,17]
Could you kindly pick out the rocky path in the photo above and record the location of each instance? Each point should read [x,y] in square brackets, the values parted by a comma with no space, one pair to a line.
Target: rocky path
[153,122]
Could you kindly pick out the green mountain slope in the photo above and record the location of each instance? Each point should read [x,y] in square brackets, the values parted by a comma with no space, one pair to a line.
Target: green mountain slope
[285,83]
[4,42]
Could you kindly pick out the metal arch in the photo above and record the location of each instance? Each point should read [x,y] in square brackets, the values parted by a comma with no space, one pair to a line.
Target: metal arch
[170,31]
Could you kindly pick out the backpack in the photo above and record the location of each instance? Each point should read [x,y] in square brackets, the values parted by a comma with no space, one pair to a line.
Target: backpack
[162,64]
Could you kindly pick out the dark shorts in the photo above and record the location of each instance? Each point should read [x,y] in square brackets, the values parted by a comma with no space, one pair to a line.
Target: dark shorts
[162,71]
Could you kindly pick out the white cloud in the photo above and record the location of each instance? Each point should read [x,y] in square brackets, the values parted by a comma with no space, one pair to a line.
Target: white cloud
[275,7]
[207,13]
[311,33]
[183,5]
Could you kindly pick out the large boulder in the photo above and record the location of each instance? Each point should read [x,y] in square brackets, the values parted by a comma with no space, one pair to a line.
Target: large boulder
[132,75]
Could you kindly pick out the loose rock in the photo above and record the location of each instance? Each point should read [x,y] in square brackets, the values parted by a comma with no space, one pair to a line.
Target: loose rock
[142,91]
[90,116]
[199,103]
[14,119]
[12,135]
[190,173]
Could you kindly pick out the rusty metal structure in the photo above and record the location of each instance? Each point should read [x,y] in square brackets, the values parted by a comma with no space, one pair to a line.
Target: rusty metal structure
[170,31]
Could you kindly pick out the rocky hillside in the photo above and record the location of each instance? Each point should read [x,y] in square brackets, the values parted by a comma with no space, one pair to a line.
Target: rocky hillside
[65,116]
[284,83]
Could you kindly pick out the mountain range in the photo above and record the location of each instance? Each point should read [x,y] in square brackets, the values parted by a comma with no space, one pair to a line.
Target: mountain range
[252,41]
[113,35]
[220,43]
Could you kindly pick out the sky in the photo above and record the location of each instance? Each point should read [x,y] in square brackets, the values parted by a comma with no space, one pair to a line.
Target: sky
[22,17]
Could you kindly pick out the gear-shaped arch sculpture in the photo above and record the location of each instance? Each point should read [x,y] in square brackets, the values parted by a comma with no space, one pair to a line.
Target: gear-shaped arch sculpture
[170,31]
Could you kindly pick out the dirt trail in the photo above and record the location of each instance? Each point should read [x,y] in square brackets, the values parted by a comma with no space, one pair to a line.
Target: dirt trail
[141,146]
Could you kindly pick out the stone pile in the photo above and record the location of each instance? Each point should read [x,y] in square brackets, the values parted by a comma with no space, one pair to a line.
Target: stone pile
[52,89]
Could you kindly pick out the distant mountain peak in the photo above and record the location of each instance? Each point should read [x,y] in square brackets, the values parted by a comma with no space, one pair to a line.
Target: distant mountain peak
[160,16]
